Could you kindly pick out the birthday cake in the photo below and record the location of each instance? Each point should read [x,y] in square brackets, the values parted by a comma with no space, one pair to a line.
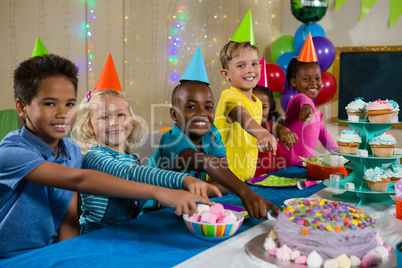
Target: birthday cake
[311,231]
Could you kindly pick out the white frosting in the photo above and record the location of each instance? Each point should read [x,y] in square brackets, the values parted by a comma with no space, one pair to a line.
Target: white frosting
[331,263]
[383,139]
[354,261]
[376,174]
[343,261]
[314,259]
[357,105]
[381,252]
[349,136]
[295,254]
[284,253]
[269,243]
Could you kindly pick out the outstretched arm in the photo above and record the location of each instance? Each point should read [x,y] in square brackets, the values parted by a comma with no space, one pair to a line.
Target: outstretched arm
[217,168]
[265,140]
[99,183]
[287,137]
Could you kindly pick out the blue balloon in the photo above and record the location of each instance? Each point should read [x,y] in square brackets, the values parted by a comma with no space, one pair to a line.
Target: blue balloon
[302,33]
[284,59]
[286,95]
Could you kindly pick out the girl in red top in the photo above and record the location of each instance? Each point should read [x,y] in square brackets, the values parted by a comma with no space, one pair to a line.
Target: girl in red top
[267,162]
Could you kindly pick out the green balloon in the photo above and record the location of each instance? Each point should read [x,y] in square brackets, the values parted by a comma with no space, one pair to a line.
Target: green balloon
[309,11]
[282,45]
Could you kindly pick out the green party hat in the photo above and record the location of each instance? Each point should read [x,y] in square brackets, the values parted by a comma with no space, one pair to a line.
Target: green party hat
[39,49]
[196,70]
[245,31]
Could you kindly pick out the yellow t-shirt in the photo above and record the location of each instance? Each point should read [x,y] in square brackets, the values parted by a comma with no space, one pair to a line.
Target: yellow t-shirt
[241,149]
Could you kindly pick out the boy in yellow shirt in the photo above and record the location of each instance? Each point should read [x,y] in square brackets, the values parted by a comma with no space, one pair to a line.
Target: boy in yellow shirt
[239,113]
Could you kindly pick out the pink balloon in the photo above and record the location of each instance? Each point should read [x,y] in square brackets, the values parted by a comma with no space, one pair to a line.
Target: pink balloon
[276,77]
[328,89]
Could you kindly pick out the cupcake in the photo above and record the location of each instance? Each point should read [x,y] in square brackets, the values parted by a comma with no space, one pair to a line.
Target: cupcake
[395,169]
[348,141]
[356,109]
[394,118]
[377,179]
[380,111]
[383,144]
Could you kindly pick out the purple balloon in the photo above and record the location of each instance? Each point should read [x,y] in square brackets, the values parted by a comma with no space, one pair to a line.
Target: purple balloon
[325,52]
[286,95]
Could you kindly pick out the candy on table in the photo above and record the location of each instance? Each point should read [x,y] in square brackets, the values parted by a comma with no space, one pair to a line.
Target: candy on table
[335,177]
[208,217]
[362,153]
[349,185]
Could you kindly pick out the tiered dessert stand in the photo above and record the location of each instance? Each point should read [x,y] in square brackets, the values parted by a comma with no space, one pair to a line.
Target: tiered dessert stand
[361,193]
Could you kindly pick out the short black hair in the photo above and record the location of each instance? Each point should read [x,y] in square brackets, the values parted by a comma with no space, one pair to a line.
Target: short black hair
[268,92]
[293,68]
[31,72]
[185,83]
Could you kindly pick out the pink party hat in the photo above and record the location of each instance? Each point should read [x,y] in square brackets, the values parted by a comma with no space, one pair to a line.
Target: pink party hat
[245,30]
[307,53]
[264,79]
[108,78]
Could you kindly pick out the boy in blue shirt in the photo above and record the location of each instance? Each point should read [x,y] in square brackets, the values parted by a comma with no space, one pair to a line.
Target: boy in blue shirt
[195,145]
[40,167]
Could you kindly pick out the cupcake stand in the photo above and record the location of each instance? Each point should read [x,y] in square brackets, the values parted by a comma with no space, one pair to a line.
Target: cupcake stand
[361,194]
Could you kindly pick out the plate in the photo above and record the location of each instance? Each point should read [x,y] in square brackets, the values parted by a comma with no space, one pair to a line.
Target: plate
[272,215]
[255,249]
[241,210]
[273,181]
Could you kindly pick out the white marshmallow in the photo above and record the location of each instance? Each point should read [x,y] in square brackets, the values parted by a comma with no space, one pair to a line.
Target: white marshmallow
[362,153]
[349,186]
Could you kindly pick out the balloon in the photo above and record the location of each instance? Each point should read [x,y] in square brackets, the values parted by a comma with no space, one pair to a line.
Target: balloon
[302,32]
[328,89]
[325,52]
[286,95]
[276,77]
[284,59]
[309,11]
[282,45]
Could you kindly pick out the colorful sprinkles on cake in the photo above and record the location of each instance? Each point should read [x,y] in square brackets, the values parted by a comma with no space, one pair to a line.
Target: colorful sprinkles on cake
[334,216]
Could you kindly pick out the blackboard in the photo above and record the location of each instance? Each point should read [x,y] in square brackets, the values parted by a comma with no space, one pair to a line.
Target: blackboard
[370,72]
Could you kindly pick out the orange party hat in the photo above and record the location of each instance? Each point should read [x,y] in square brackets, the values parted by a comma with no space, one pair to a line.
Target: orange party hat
[108,78]
[264,79]
[307,53]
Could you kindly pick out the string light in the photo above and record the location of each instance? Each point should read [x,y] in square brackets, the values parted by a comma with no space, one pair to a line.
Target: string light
[175,41]
[89,34]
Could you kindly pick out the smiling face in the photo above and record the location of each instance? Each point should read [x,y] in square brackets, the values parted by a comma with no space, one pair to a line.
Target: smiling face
[308,80]
[51,113]
[243,71]
[265,104]
[111,122]
[194,110]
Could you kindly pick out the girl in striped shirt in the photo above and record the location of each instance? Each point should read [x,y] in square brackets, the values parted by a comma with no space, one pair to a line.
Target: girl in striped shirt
[108,132]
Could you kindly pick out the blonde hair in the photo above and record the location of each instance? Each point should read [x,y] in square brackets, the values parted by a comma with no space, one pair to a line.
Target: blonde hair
[232,50]
[83,132]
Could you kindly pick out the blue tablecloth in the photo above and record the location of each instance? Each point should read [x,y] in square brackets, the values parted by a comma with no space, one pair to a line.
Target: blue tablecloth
[156,239]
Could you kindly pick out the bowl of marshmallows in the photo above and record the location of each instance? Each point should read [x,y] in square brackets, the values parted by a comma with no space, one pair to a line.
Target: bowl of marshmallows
[213,222]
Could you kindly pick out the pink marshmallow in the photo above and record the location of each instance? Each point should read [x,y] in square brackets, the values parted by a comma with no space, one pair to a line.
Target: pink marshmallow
[273,251]
[217,209]
[195,217]
[208,217]
[225,219]
[387,247]
[301,260]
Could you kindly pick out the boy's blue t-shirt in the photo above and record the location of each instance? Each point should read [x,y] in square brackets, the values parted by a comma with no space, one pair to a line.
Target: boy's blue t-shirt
[30,214]
[174,141]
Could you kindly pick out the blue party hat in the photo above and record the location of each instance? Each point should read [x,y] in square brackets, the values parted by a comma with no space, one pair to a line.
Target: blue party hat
[195,70]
